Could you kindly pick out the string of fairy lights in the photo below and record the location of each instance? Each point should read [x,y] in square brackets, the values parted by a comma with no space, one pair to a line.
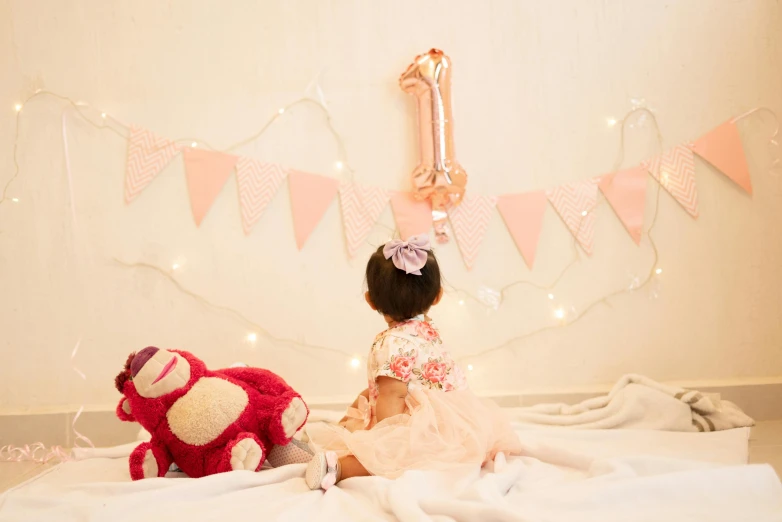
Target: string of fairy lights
[563,316]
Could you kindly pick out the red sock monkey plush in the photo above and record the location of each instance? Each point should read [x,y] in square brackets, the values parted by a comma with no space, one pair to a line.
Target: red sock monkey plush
[205,421]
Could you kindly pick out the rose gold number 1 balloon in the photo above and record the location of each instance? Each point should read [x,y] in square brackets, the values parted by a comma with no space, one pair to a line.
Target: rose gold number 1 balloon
[438,177]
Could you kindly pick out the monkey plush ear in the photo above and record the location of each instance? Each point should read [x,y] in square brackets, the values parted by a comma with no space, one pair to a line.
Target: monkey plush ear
[123,410]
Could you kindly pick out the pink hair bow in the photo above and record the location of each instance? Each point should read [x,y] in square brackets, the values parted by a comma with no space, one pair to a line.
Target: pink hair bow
[331,471]
[410,255]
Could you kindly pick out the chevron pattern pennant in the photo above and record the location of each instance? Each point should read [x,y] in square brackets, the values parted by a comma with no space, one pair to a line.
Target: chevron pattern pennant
[470,219]
[575,203]
[258,183]
[675,171]
[361,206]
[148,154]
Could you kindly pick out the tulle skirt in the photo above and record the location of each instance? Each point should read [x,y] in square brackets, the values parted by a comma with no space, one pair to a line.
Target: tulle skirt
[443,431]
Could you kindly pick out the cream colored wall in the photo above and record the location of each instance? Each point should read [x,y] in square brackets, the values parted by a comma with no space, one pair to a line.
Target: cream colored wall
[534,85]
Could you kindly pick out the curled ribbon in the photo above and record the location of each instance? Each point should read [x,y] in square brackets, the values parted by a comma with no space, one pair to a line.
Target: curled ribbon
[38,452]
[35,452]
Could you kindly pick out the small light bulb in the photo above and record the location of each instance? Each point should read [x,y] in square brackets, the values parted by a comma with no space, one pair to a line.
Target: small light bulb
[461,301]
[584,212]
[175,266]
[611,122]
[103,115]
[469,367]
[194,144]
[18,107]
[355,362]
[338,165]
[658,271]
[252,337]
[551,296]
[281,110]
[15,200]
[559,313]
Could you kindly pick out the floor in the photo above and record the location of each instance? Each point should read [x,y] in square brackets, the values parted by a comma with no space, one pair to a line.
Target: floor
[765,447]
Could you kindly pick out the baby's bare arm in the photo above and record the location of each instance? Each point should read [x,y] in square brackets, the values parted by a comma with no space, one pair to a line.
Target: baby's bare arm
[391,398]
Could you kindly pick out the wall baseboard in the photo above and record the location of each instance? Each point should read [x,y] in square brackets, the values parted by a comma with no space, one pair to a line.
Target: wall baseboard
[762,402]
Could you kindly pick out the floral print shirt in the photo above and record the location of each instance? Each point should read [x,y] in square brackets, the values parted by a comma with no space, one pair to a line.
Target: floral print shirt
[413,352]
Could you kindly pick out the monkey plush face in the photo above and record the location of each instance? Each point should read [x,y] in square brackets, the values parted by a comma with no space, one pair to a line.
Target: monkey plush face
[156,372]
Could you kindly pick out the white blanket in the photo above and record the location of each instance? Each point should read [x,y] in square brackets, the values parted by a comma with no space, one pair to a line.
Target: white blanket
[638,402]
[570,475]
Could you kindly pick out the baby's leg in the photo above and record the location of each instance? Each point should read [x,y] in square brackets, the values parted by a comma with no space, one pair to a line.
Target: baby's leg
[324,470]
[349,467]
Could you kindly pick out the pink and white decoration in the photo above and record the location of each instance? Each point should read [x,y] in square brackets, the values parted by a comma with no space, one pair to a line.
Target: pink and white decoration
[206,172]
[412,216]
[470,219]
[675,171]
[626,193]
[575,203]
[258,183]
[721,147]
[311,195]
[523,215]
[361,205]
[148,154]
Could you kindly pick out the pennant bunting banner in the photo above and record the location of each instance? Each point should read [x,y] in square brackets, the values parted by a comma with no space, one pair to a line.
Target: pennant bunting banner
[206,172]
[412,216]
[311,195]
[148,154]
[675,171]
[470,219]
[626,193]
[722,148]
[523,215]
[361,207]
[575,203]
[258,183]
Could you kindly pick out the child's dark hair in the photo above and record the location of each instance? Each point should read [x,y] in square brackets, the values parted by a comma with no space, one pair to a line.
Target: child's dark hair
[398,295]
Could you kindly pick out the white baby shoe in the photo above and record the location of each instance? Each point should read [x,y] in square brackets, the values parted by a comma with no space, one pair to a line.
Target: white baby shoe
[323,471]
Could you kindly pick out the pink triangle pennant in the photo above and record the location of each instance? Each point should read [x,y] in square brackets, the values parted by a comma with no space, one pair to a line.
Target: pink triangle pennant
[258,183]
[626,193]
[412,216]
[361,206]
[311,195]
[470,219]
[523,215]
[722,148]
[575,203]
[148,154]
[675,171]
[206,172]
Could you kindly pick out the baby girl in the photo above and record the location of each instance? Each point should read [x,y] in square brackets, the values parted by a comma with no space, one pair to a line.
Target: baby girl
[418,412]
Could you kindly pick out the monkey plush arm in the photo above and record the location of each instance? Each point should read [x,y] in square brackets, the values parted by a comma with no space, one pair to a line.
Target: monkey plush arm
[264,381]
[123,411]
[149,459]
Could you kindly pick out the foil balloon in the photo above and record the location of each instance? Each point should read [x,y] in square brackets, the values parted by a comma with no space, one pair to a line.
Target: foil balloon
[438,177]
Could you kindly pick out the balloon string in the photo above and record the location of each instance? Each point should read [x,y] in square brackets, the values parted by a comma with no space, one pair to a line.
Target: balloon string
[79,436]
[68,174]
